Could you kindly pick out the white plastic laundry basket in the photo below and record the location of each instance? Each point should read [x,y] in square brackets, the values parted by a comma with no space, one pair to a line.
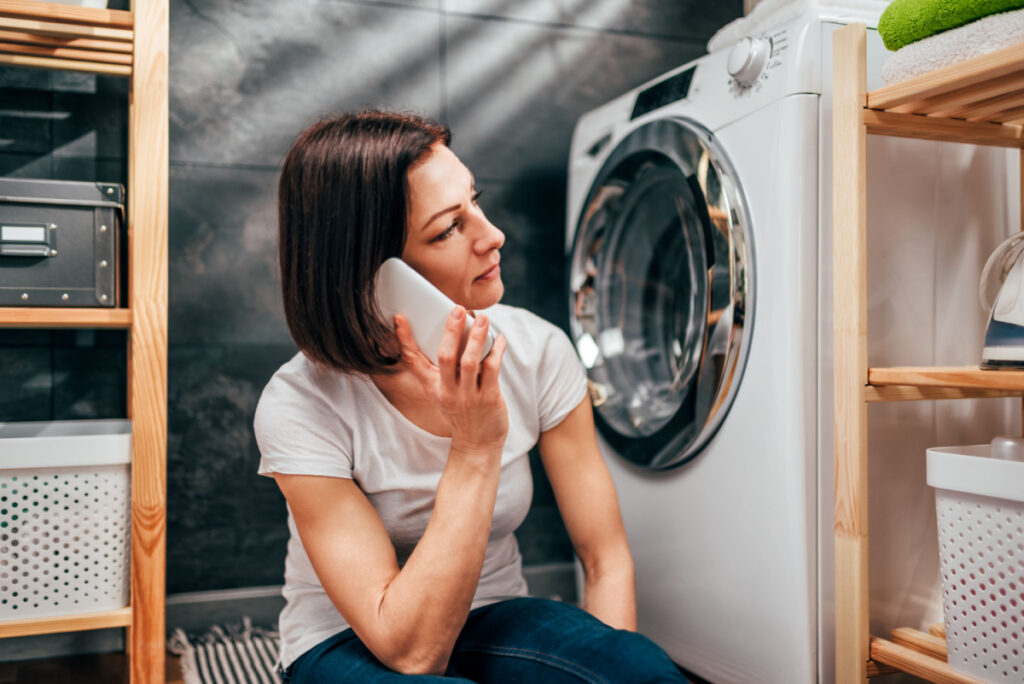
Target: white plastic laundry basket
[980,508]
[64,517]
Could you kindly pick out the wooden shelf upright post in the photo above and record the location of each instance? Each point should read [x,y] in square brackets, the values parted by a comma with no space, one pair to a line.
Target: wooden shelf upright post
[849,226]
[147,350]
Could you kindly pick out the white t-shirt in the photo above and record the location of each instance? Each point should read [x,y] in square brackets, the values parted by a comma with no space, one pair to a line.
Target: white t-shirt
[312,421]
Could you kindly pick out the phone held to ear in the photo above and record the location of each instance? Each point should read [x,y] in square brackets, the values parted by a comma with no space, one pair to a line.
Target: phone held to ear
[401,290]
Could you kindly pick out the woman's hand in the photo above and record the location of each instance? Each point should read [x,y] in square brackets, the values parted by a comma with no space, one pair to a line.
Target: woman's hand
[465,387]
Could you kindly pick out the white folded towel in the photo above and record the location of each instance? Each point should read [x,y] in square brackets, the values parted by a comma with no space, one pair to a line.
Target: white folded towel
[770,13]
[977,38]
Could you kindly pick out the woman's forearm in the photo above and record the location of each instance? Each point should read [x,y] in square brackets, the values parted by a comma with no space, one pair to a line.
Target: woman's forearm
[425,606]
[609,594]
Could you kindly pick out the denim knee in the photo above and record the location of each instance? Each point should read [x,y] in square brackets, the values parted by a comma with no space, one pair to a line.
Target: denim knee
[630,648]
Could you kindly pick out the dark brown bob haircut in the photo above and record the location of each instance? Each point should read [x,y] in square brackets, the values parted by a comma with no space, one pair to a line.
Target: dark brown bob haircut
[342,210]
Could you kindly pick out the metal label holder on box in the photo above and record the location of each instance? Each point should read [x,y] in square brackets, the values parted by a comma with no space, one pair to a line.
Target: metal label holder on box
[60,243]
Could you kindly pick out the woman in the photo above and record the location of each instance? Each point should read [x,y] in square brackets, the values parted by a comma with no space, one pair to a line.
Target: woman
[404,480]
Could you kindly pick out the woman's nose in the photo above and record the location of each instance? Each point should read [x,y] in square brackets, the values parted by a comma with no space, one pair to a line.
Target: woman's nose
[490,237]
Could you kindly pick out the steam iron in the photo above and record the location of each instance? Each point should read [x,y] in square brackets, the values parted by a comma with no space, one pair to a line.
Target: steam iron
[1004,336]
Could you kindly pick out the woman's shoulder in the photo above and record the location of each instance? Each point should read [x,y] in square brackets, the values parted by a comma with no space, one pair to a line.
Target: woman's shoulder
[517,321]
[302,423]
[531,338]
[304,391]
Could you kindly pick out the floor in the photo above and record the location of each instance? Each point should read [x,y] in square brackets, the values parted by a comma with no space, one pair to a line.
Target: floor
[104,668]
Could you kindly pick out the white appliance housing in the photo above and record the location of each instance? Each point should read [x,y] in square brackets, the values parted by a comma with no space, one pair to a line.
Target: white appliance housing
[733,547]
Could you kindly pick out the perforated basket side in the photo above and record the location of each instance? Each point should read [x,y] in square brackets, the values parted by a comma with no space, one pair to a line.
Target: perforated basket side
[64,540]
[981,546]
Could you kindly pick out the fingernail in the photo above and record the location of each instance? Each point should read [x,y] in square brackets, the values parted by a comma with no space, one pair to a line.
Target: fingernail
[458,313]
[479,322]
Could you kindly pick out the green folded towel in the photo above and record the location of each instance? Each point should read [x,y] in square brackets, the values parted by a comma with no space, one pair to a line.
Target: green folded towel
[907,21]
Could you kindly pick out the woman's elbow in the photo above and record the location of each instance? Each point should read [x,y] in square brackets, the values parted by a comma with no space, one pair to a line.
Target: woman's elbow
[414,656]
[418,664]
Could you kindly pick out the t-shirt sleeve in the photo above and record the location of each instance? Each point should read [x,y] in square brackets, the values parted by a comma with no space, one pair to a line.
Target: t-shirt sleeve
[299,434]
[561,379]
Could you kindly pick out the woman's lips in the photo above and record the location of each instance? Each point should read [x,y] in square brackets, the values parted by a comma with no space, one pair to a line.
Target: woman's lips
[490,273]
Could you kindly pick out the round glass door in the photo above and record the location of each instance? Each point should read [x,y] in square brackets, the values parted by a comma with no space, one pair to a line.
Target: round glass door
[661,294]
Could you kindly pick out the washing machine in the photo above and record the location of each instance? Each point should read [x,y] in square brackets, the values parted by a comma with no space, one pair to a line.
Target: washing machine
[699,259]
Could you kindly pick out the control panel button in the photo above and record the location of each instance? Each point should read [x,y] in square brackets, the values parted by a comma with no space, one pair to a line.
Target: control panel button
[748,59]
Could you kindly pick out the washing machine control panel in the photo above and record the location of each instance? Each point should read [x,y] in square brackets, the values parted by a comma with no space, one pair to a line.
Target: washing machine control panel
[753,59]
[747,59]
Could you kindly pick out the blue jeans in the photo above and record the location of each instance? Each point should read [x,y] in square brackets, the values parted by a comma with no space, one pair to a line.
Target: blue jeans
[520,640]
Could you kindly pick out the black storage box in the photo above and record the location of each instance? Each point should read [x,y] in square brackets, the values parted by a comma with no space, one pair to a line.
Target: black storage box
[60,243]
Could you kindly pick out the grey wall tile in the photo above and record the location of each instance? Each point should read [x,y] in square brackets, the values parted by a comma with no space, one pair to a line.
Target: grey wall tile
[224,282]
[91,169]
[226,524]
[62,375]
[530,210]
[91,117]
[26,381]
[676,18]
[24,337]
[77,116]
[16,77]
[555,581]
[90,381]
[246,79]
[542,537]
[26,165]
[25,120]
[515,91]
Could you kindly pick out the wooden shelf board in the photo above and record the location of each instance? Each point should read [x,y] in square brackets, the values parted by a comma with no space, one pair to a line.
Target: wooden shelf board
[879,393]
[964,377]
[60,52]
[122,617]
[17,317]
[26,38]
[955,102]
[91,16]
[916,663]
[945,130]
[919,641]
[59,30]
[961,75]
[66,65]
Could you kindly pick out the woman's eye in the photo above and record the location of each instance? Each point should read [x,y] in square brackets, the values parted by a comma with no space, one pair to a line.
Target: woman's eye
[447,232]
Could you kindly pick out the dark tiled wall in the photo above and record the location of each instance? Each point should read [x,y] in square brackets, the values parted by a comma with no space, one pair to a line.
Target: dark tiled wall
[510,77]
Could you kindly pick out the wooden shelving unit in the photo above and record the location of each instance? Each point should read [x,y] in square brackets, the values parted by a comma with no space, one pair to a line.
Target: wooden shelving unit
[65,318]
[981,102]
[66,37]
[132,44]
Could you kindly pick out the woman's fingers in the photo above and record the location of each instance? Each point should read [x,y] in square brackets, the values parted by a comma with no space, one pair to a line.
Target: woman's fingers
[491,366]
[448,351]
[412,356]
[469,365]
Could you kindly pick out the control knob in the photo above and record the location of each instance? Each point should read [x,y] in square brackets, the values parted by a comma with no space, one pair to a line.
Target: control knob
[748,58]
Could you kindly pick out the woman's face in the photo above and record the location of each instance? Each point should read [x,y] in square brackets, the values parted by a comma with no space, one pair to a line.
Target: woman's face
[450,242]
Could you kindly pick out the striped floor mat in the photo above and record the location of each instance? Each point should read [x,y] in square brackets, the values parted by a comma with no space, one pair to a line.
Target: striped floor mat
[227,654]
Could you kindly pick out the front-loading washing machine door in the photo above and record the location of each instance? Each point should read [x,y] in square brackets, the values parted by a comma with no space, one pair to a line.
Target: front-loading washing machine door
[661,292]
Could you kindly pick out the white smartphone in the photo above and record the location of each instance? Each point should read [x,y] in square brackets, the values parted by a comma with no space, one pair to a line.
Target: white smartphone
[399,289]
